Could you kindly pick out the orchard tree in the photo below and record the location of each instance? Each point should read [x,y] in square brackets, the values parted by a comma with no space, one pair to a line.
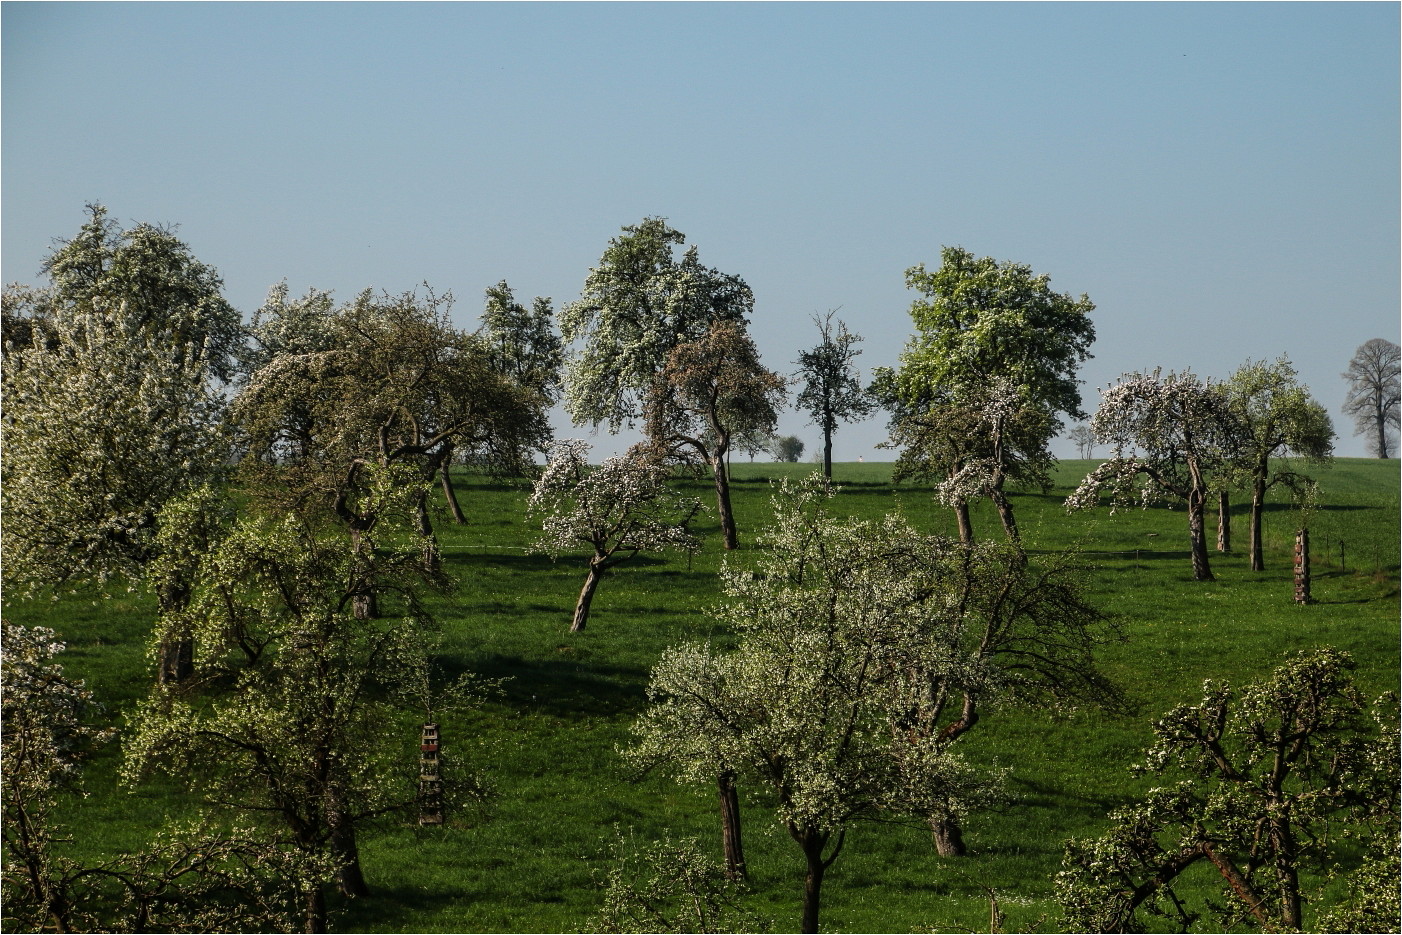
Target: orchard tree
[116,410]
[710,390]
[787,448]
[1171,433]
[865,651]
[1278,416]
[990,336]
[969,445]
[832,391]
[522,343]
[392,382]
[619,509]
[1276,779]
[190,878]
[636,305]
[163,289]
[1084,439]
[304,718]
[1373,392]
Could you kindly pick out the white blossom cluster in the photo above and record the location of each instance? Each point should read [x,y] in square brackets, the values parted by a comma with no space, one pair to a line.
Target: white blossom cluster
[103,422]
[624,505]
[636,305]
[1167,434]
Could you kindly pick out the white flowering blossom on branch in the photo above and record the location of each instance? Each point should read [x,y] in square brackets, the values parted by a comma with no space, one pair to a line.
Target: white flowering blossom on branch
[865,651]
[1169,434]
[617,510]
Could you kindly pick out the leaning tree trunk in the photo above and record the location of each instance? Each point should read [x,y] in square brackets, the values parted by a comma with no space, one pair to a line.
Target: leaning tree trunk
[1258,505]
[586,596]
[344,848]
[731,842]
[1197,533]
[961,517]
[445,479]
[1224,522]
[1382,434]
[1005,511]
[727,515]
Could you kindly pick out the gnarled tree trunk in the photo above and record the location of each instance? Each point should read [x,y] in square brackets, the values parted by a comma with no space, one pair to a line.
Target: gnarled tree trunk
[1197,533]
[731,842]
[586,596]
[1258,504]
[727,516]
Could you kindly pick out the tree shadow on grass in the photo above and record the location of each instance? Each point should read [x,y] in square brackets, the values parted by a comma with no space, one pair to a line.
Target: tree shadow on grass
[565,687]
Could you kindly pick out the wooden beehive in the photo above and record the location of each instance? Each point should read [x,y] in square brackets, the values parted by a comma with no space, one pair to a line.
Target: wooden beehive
[430,779]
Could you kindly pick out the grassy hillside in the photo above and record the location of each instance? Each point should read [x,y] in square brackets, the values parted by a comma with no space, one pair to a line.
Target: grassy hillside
[548,741]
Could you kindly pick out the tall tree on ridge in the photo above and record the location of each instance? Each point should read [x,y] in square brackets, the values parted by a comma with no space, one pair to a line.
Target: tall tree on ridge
[1375,392]
[832,392]
[636,305]
[985,327]
[1277,414]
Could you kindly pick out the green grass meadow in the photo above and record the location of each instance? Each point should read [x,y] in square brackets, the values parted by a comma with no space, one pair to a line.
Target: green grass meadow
[548,741]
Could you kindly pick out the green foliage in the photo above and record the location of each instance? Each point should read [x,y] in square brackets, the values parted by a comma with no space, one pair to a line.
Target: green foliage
[788,448]
[1266,770]
[981,320]
[522,343]
[636,305]
[865,650]
[670,886]
[196,877]
[549,739]
[298,715]
[112,412]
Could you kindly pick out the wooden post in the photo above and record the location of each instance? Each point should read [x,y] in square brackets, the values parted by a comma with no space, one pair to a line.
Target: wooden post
[1302,567]
[430,782]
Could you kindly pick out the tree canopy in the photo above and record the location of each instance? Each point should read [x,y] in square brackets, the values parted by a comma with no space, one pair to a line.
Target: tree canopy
[636,305]
[1374,400]
[993,360]
[1262,772]
[832,391]
[114,409]
[1277,415]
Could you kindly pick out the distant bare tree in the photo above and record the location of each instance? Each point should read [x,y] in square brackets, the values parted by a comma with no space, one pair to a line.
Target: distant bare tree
[1373,392]
[1084,440]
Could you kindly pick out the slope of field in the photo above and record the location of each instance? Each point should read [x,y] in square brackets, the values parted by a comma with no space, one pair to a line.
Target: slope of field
[548,741]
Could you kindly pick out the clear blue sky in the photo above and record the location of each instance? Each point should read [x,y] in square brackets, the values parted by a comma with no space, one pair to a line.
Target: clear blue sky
[1221,179]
